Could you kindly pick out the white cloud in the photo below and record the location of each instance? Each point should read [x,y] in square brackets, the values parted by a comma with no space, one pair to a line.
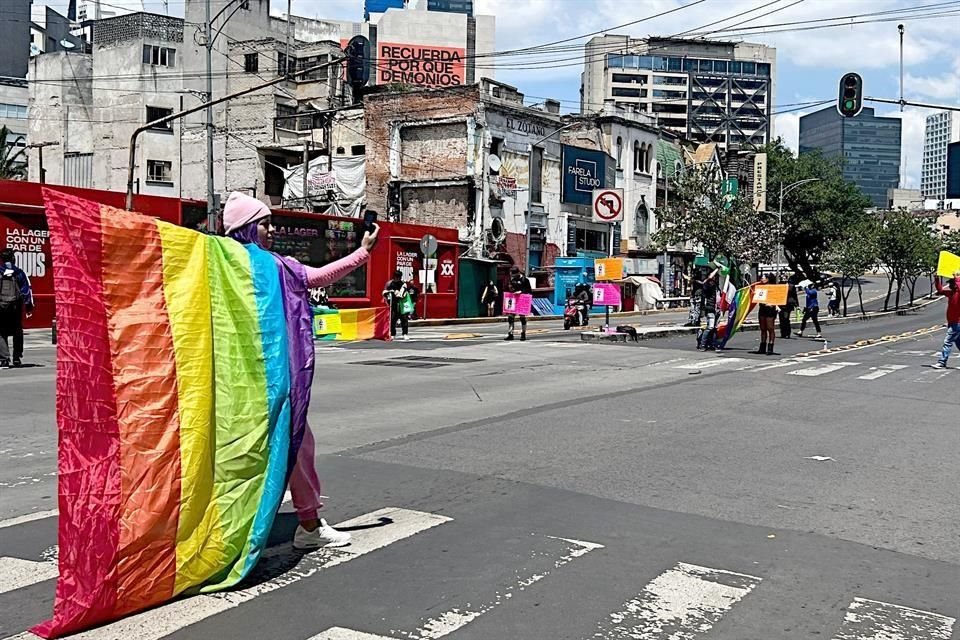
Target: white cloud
[943,87]
[911,144]
[787,127]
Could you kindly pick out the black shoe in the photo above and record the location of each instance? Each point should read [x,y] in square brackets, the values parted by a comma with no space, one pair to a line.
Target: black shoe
[4,364]
[16,363]
[770,352]
[762,350]
[523,337]
[509,336]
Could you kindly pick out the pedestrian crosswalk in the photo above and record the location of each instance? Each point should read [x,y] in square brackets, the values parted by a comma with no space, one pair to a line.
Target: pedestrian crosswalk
[684,601]
[812,367]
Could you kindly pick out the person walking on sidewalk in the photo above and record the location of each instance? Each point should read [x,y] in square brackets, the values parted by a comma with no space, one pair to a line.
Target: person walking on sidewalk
[811,311]
[952,293]
[833,299]
[16,296]
[400,302]
[768,321]
[489,298]
[249,221]
[519,284]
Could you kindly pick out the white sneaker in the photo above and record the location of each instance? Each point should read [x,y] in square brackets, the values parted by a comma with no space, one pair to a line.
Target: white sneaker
[939,365]
[322,536]
[406,338]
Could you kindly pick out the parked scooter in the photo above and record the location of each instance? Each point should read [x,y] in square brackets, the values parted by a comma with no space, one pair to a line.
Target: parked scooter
[574,314]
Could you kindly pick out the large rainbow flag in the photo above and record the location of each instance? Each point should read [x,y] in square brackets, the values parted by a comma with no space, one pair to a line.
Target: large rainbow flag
[738,309]
[184,366]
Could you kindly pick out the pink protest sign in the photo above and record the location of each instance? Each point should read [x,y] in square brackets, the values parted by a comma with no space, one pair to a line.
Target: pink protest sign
[517,304]
[606,294]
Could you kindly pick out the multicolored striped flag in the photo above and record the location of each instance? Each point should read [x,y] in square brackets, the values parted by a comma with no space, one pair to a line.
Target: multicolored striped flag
[184,366]
[738,309]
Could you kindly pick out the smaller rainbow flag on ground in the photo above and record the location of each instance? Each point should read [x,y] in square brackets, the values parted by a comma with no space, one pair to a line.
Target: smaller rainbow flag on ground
[739,308]
[184,367]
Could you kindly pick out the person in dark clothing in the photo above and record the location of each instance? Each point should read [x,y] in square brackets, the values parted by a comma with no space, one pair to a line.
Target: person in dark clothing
[696,288]
[489,298]
[518,284]
[811,311]
[768,318]
[583,296]
[394,293]
[708,309]
[786,312]
[15,297]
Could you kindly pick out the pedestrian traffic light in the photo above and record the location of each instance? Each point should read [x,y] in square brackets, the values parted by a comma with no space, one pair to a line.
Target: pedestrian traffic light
[850,100]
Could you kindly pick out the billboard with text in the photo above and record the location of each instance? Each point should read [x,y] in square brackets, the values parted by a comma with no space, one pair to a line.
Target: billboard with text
[420,65]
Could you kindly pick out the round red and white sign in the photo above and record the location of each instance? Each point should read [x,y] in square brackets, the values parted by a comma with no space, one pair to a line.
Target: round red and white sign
[608,206]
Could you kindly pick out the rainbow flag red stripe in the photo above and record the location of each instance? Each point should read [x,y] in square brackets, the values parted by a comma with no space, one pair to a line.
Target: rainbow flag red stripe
[182,381]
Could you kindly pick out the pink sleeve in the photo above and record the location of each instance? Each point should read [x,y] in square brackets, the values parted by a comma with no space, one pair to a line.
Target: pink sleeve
[332,272]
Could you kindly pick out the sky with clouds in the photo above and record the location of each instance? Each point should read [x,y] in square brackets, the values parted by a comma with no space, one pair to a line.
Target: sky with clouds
[809,62]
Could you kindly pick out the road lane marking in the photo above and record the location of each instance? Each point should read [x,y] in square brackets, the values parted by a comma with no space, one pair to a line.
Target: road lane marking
[873,620]
[879,372]
[30,517]
[680,604]
[18,573]
[819,371]
[397,525]
[456,618]
[708,364]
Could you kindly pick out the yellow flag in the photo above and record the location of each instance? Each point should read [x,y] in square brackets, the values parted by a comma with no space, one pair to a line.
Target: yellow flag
[948,264]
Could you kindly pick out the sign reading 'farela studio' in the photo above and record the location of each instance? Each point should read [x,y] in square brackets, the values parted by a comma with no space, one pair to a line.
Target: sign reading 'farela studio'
[421,65]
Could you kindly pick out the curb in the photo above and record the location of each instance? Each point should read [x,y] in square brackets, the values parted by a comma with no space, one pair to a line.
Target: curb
[442,322]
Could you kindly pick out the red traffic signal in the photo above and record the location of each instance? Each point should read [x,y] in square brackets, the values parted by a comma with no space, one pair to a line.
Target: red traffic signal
[850,98]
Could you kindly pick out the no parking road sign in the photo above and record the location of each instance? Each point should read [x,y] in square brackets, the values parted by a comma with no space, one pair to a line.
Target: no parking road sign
[607,205]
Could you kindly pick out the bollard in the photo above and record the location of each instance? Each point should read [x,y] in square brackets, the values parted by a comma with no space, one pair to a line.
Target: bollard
[53,332]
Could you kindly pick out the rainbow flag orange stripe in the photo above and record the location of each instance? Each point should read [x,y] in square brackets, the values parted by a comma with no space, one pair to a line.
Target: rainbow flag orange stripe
[180,405]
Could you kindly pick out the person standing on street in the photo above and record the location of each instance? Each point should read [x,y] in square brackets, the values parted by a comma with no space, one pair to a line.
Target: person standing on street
[489,298]
[398,298]
[768,320]
[696,286]
[249,221]
[16,295]
[811,311]
[708,309]
[786,311]
[952,293]
[833,300]
[519,284]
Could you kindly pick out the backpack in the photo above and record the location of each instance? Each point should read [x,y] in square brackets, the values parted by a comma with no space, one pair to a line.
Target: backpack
[9,292]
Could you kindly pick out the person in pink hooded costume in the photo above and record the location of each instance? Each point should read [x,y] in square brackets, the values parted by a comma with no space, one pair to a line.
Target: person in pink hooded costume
[248,220]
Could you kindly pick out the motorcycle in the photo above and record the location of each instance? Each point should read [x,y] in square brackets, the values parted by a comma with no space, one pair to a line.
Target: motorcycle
[575,313]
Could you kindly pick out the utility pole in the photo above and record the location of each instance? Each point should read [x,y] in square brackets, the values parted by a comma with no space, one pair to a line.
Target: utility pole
[39,147]
[306,163]
[900,28]
[211,210]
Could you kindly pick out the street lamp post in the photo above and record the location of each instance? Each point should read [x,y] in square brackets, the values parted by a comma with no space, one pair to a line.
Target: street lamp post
[784,190]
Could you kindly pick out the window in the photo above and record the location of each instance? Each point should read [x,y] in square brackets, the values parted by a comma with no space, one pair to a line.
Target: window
[155,113]
[619,153]
[159,56]
[619,92]
[251,62]
[358,150]
[614,61]
[535,178]
[637,160]
[629,77]
[13,111]
[749,68]
[160,171]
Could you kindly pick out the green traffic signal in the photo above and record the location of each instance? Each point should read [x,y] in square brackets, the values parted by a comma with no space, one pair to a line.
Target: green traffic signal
[850,97]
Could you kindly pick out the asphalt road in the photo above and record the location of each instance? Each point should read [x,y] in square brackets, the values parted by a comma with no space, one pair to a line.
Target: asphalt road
[557,489]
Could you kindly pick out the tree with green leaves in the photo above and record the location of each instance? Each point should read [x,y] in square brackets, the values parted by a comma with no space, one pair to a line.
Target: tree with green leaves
[951,242]
[852,255]
[724,224]
[816,215]
[907,250]
[12,165]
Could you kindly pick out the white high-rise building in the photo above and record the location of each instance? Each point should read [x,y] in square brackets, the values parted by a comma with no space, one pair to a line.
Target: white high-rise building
[942,129]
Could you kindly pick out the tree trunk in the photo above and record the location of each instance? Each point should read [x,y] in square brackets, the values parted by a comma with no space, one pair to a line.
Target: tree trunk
[863,311]
[913,287]
[899,287]
[886,301]
[845,292]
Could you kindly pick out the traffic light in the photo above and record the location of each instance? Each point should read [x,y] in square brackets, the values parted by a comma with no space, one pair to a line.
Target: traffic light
[850,100]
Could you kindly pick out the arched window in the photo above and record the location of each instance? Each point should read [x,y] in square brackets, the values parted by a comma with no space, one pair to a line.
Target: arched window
[619,153]
[637,156]
[651,152]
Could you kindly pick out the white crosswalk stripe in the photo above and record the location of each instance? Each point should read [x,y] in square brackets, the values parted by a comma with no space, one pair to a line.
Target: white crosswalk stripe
[872,620]
[812,372]
[18,573]
[709,364]
[162,621]
[444,624]
[679,604]
[879,372]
